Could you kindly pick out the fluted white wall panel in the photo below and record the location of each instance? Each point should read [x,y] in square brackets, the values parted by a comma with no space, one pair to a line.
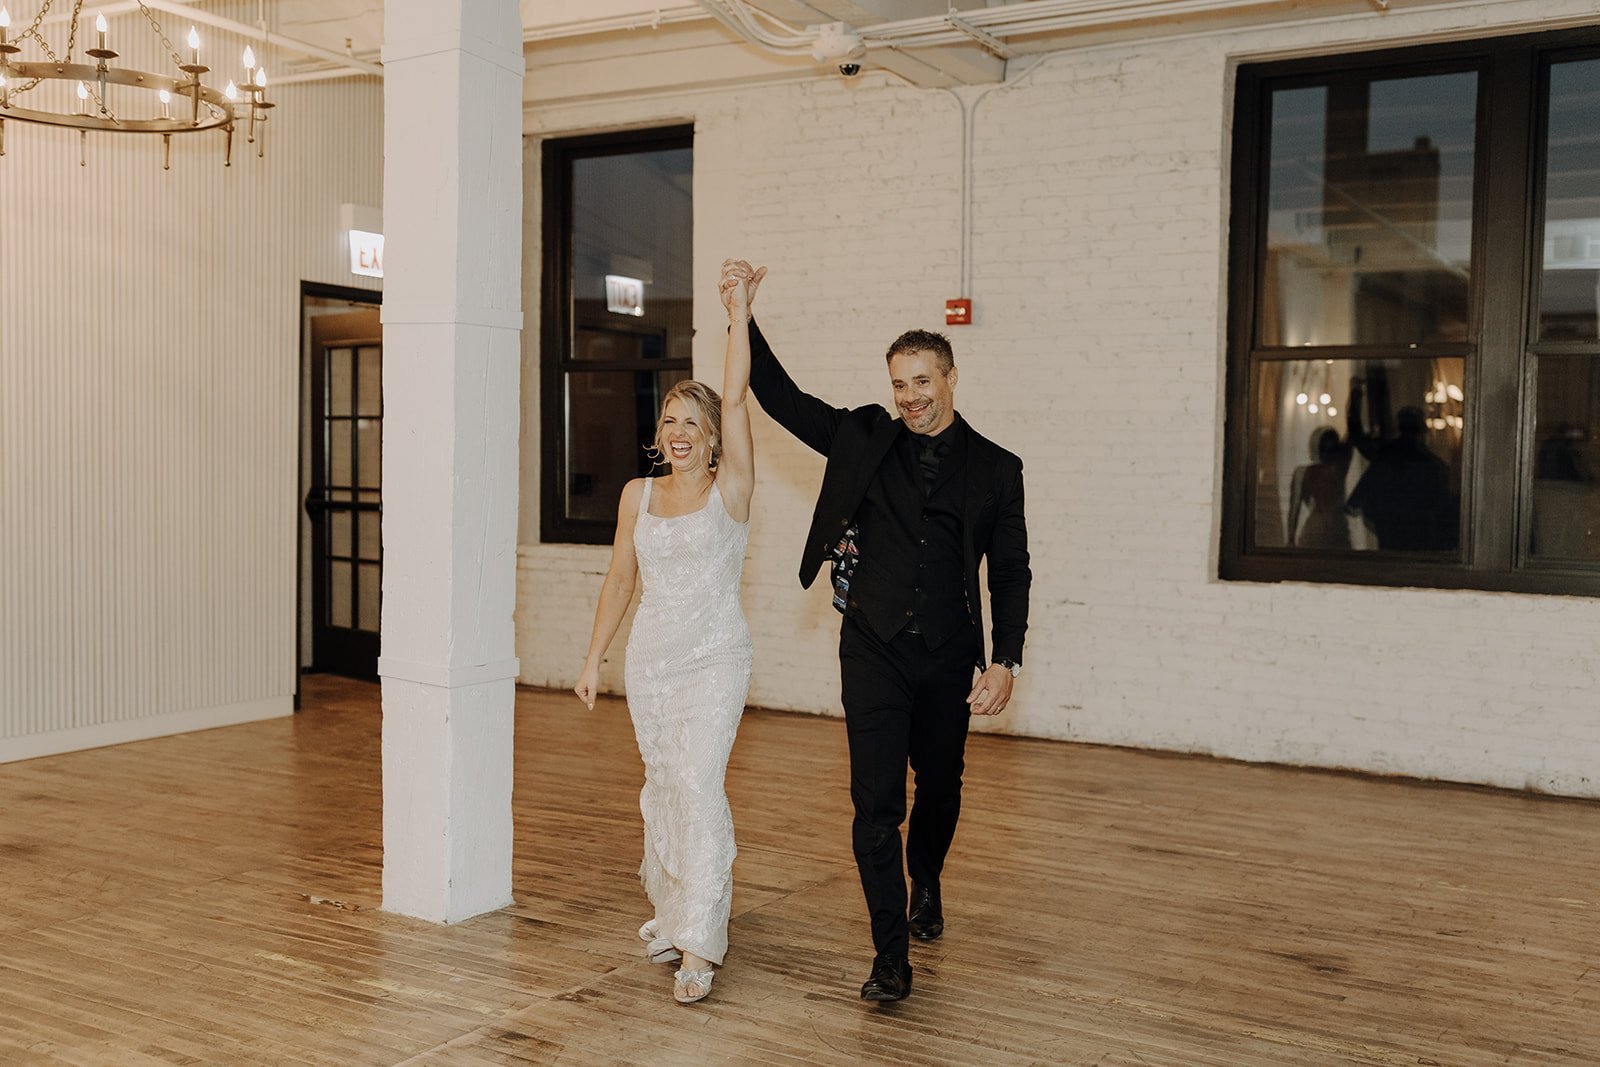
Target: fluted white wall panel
[149,353]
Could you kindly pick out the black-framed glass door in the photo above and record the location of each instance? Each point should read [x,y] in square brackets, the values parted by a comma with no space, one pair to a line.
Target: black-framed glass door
[345,501]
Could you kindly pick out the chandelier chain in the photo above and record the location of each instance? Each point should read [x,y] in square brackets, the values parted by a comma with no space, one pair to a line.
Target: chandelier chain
[33,30]
[44,46]
[72,36]
[154,25]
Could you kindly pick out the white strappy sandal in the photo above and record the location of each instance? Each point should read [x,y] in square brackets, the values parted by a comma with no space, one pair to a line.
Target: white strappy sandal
[689,986]
[659,949]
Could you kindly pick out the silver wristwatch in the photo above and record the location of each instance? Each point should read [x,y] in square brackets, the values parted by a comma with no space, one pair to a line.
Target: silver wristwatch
[1014,668]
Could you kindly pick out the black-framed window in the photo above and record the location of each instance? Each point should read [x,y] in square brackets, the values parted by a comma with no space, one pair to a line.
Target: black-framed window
[617,316]
[1414,318]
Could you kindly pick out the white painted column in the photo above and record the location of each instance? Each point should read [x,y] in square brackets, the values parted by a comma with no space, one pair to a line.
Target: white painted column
[452,323]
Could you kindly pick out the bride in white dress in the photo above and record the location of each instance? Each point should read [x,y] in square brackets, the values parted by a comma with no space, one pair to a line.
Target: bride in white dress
[688,658]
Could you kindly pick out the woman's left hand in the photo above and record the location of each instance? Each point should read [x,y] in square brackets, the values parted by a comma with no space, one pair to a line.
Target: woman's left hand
[738,286]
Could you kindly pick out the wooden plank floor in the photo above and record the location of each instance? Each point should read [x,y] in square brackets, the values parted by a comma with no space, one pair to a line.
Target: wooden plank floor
[213,899]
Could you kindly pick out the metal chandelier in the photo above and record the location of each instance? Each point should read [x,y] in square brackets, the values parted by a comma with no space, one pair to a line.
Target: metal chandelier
[145,102]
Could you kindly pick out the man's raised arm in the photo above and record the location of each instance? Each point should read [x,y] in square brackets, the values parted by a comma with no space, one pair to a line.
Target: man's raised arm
[813,421]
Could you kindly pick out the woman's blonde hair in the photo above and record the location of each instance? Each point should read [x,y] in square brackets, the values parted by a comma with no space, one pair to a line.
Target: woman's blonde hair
[705,407]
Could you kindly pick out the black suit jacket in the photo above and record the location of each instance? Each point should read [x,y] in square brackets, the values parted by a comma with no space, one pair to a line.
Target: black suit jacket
[855,442]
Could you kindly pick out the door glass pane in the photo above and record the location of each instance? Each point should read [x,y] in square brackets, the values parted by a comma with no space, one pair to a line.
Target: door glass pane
[339,594]
[1569,298]
[1359,455]
[632,239]
[339,452]
[369,438]
[371,533]
[339,533]
[370,381]
[369,592]
[1369,219]
[338,381]
[611,419]
[1566,494]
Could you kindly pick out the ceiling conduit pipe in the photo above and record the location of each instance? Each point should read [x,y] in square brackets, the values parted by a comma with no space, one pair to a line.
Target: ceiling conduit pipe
[732,14]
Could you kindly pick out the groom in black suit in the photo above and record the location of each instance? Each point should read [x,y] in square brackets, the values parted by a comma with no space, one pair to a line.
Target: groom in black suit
[908,507]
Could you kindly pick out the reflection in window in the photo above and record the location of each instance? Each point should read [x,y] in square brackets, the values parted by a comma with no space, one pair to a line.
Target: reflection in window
[1369,218]
[1360,455]
[1566,461]
[1569,298]
[608,414]
[619,316]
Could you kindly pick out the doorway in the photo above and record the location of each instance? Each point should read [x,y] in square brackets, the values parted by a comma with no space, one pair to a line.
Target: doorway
[341,481]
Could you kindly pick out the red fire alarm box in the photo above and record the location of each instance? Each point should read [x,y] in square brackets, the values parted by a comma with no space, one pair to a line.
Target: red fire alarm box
[958,312]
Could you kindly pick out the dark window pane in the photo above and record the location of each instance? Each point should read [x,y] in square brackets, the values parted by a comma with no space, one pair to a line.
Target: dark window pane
[339,526]
[339,594]
[596,344]
[611,419]
[371,585]
[371,525]
[369,440]
[339,452]
[1566,494]
[1359,455]
[1569,299]
[339,374]
[1369,218]
[632,239]
[370,375]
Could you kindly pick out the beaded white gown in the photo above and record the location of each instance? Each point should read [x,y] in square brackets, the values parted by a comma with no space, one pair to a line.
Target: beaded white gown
[688,673]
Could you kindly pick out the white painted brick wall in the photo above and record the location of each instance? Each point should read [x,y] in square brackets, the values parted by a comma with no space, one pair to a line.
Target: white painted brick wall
[1099,230]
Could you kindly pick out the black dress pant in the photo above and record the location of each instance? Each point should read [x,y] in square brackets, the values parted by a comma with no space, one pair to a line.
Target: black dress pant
[903,703]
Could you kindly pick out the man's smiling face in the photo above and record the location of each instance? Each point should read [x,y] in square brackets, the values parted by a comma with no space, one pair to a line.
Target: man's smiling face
[924,394]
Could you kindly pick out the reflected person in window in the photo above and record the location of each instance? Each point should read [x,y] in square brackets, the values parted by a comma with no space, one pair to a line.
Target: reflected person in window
[689,655]
[1317,489]
[907,510]
[1405,495]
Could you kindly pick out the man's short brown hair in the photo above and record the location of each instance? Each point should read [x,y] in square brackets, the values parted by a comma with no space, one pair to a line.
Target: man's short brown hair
[924,341]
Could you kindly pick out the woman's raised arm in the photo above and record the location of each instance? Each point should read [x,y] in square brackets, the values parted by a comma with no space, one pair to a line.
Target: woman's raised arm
[736,475]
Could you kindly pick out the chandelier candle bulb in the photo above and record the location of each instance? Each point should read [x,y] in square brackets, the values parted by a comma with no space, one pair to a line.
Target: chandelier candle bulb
[249,63]
[166,105]
[5,24]
[231,92]
[194,47]
[100,29]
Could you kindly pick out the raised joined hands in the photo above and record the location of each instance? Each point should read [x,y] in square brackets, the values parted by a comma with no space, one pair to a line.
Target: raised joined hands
[738,286]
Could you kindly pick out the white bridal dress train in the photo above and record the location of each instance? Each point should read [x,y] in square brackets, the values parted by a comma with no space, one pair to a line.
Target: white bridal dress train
[688,673]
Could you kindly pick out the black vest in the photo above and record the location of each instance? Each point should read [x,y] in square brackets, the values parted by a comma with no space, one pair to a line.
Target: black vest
[911,564]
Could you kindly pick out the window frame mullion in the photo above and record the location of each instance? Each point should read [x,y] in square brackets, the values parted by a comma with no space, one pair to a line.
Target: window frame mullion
[1498,446]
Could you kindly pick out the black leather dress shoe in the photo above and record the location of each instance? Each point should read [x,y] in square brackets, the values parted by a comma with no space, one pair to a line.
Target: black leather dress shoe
[890,979]
[927,918]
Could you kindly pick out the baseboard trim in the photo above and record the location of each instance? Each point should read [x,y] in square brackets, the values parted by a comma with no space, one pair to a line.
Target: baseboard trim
[56,742]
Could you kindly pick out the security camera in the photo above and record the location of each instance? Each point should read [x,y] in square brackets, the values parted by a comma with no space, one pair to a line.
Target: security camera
[849,70]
